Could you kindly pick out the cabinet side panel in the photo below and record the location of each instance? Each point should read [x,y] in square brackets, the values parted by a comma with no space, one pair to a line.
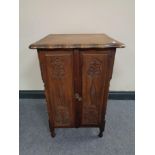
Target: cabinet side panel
[95,77]
[41,56]
[60,79]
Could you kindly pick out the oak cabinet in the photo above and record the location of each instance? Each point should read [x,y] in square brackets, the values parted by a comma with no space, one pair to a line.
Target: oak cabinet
[76,70]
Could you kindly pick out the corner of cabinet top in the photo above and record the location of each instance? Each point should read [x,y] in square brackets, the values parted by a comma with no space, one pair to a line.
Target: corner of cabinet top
[57,41]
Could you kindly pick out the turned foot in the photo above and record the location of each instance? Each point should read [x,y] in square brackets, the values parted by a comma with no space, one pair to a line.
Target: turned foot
[53,134]
[100,134]
[102,127]
[52,130]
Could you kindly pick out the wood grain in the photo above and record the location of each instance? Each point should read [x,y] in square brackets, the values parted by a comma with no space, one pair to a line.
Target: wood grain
[60,81]
[94,78]
[56,41]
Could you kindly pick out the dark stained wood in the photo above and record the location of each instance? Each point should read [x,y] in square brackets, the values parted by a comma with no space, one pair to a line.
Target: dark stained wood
[108,78]
[102,128]
[76,78]
[55,41]
[52,130]
[77,85]
[43,67]
[94,75]
[60,80]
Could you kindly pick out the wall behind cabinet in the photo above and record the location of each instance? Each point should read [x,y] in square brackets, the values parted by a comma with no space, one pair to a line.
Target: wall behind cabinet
[41,17]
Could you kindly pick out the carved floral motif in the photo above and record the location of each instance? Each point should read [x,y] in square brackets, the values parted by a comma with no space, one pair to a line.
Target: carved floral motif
[58,70]
[90,114]
[95,67]
[93,94]
[62,116]
[61,108]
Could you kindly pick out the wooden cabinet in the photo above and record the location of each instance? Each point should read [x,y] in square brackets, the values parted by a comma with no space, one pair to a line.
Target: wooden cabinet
[76,71]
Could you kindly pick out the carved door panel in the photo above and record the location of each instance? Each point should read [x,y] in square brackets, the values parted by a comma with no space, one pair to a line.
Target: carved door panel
[94,79]
[60,87]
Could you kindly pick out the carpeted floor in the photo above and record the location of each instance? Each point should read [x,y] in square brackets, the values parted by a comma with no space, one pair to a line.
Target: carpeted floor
[35,139]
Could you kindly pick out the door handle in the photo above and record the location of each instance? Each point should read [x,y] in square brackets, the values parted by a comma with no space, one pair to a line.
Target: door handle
[78,97]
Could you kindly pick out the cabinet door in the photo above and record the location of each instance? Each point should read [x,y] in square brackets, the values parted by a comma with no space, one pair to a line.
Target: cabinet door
[95,83]
[59,67]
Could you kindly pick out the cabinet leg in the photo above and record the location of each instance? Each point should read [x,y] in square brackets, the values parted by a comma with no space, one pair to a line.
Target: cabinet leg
[53,133]
[102,127]
[52,130]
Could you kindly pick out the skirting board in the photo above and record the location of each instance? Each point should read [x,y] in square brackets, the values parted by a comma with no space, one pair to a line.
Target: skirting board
[113,95]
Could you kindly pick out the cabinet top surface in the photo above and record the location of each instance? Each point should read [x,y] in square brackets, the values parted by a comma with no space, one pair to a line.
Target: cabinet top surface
[54,41]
